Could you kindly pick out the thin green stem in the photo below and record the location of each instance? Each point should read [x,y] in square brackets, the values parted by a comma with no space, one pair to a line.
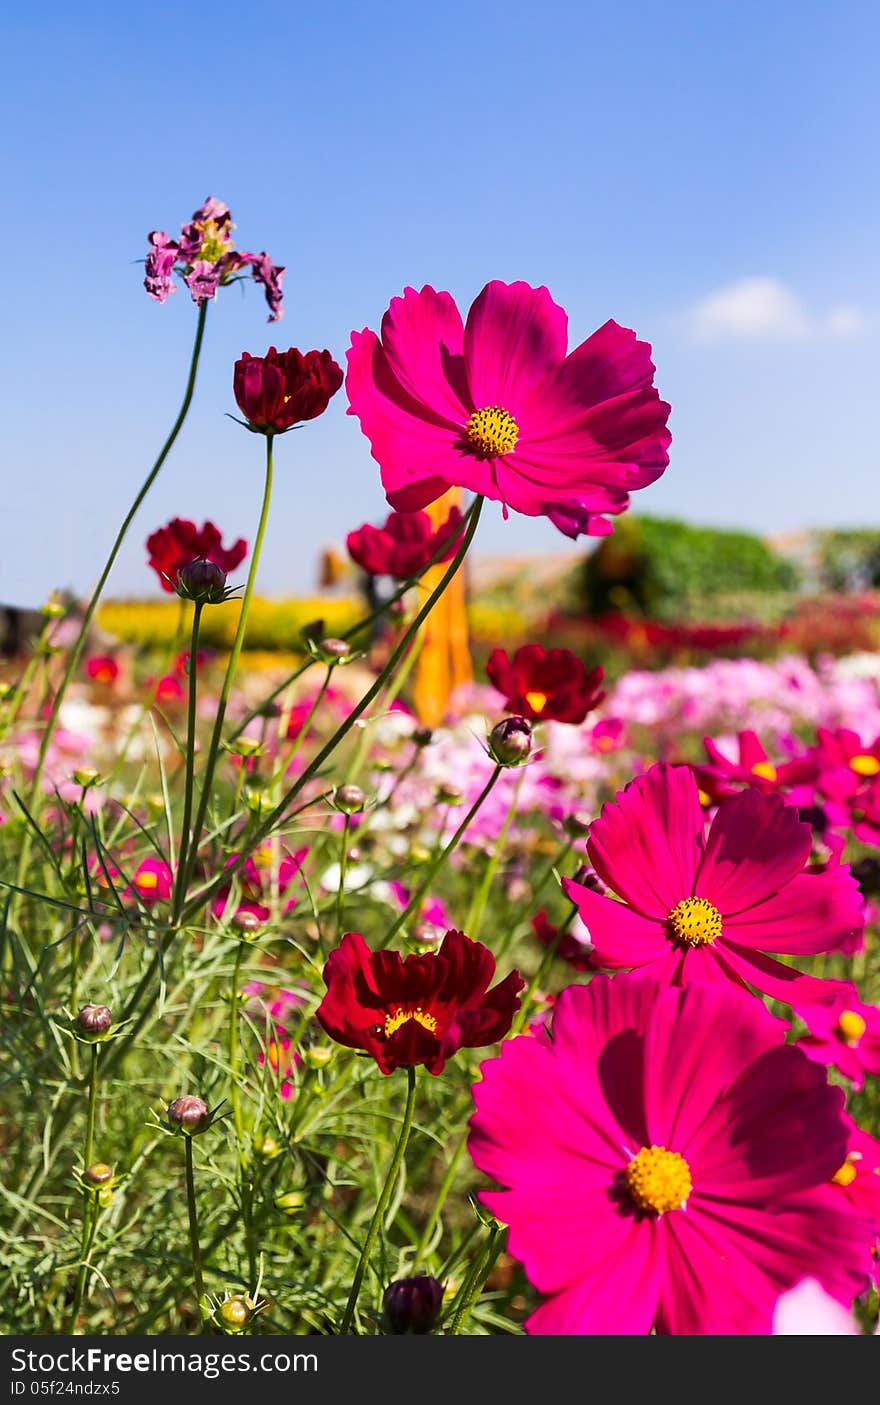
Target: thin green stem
[93,1100]
[382,1202]
[231,667]
[183,853]
[234,1048]
[537,979]
[76,651]
[195,1251]
[438,861]
[340,891]
[440,1200]
[476,1279]
[317,761]
[478,905]
[90,1205]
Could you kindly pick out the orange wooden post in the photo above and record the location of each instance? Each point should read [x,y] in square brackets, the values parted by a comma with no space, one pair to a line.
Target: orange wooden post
[444,660]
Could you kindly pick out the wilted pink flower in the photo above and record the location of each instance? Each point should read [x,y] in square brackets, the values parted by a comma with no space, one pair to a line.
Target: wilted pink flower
[206,258]
[708,907]
[664,1162]
[496,405]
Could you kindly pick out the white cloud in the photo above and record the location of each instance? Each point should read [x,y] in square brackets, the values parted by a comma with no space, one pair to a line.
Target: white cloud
[766,309]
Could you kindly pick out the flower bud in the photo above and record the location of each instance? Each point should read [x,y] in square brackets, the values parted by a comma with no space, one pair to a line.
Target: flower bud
[98,1174]
[448,795]
[234,1313]
[350,799]
[318,1056]
[334,650]
[413,1304]
[189,1114]
[577,825]
[248,923]
[510,741]
[587,877]
[270,709]
[290,1202]
[422,736]
[246,746]
[94,1021]
[85,776]
[53,609]
[201,581]
[267,1147]
[105,1196]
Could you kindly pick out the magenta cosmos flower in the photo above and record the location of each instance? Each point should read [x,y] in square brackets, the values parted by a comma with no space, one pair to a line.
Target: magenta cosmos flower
[496,405]
[708,907]
[665,1159]
[845,1034]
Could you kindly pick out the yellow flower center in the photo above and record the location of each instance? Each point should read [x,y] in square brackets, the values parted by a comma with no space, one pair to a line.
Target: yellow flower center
[864,765]
[695,922]
[765,769]
[214,243]
[850,1027]
[704,798]
[147,880]
[263,856]
[658,1180]
[402,1016]
[536,701]
[492,431]
[845,1175]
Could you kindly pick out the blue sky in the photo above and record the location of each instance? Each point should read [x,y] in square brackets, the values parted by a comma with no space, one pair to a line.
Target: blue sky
[703,173]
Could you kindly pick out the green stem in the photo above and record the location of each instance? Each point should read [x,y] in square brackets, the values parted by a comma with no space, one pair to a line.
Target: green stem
[180,891]
[90,1224]
[537,979]
[317,761]
[382,1203]
[231,667]
[233,1048]
[340,892]
[476,1279]
[76,651]
[93,1098]
[440,859]
[478,905]
[194,1230]
[90,1205]
[440,1201]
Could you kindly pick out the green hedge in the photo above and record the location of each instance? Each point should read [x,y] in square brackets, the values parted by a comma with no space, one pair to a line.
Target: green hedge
[849,560]
[670,570]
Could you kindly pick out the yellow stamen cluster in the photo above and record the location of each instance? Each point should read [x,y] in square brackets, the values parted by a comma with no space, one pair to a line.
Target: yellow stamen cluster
[401,1016]
[658,1180]
[214,242]
[536,701]
[850,1027]
[864,765]
[695,922]
[845,1174]
[147,880]
[766,770]
[492,431]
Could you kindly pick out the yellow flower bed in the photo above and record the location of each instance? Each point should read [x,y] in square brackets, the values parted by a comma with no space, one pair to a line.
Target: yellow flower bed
[272,624]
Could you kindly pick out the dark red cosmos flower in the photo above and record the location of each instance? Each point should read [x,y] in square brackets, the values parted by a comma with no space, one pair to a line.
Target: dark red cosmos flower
[181,542]
[405,545]
[545,684]
[416,1009]
[276,391]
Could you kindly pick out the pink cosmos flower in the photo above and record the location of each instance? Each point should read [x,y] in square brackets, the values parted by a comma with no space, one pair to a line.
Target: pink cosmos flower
[102,668]
[849,781]
[724,776]
[282,1059]
[153,881]
[845,1035]
[857,1182]
[663,1160]
[808,1311]
[256,886]
[496,406]
[701,907]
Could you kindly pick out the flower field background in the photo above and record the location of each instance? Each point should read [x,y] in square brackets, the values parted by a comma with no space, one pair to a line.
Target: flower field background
[351,986]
